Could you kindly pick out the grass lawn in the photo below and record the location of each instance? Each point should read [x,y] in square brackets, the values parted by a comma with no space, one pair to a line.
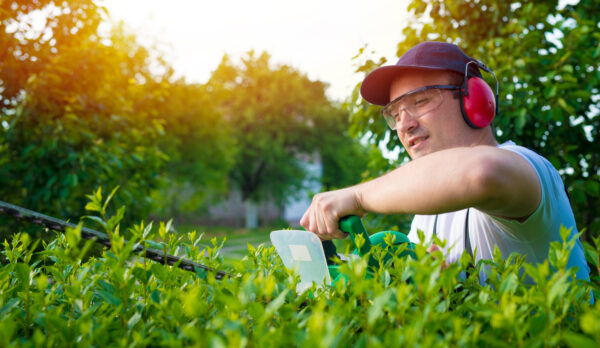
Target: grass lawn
[236,239]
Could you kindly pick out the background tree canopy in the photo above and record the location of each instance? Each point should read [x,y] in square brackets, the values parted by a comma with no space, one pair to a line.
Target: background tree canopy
[545,55]
[64,129]
[81,109]
[281,119]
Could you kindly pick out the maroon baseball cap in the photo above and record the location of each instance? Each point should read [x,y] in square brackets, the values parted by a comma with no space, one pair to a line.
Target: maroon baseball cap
[428,55]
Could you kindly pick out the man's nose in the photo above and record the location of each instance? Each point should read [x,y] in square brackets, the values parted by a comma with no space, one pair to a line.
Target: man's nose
[405,122]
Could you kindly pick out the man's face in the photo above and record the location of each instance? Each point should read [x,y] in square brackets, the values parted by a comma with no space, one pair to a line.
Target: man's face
[438,129]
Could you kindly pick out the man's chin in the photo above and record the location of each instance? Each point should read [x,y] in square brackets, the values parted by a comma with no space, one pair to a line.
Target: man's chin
[414,154]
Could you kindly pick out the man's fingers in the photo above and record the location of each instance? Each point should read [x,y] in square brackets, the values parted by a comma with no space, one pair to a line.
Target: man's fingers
[433,248]
[304,221]
[340,235]
[326,208]
[332,226]
[321,228]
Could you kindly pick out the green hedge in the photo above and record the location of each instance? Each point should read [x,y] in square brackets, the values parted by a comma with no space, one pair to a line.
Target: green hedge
[54,295]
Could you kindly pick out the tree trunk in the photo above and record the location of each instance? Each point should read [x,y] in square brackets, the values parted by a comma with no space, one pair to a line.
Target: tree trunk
[251,214]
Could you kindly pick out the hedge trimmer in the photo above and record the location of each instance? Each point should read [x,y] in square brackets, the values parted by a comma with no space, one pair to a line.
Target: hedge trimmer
[102,238]
[303,250]
[315,259]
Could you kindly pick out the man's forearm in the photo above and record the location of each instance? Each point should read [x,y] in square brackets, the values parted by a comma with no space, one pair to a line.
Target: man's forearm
[495,181]
[447,180]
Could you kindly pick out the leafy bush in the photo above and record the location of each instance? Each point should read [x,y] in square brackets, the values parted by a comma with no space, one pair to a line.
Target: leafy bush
[74,117]
[58,297]
[81,107]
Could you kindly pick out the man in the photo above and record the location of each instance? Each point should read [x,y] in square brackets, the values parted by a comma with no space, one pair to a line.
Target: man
[461,184]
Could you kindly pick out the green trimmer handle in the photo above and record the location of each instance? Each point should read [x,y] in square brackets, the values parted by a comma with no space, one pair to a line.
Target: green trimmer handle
[353,225]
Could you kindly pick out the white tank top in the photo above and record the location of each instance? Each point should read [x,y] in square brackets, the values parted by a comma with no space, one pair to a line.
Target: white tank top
[530,238]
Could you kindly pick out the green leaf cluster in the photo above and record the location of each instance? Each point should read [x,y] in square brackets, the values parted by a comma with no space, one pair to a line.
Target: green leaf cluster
[58,296]
[281,120]
[80,108]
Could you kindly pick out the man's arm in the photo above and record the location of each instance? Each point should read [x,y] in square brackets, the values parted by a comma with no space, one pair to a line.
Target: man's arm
[496,181]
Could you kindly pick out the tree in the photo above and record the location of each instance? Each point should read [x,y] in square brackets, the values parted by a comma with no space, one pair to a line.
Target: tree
[25,49]
[82,110]
[200,146]
[343,157]
[80,124]
[546,59]
[279,117]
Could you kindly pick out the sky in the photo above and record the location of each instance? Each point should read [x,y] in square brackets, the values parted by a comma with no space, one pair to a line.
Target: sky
[317,37]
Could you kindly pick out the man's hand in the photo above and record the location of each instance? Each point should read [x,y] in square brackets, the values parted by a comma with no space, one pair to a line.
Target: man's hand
[433,248]
[327,208]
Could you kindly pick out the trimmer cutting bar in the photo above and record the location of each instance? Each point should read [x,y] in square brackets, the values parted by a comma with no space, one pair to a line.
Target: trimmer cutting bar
[102,238]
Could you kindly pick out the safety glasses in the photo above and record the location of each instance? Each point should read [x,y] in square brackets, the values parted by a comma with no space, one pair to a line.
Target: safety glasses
[416,103]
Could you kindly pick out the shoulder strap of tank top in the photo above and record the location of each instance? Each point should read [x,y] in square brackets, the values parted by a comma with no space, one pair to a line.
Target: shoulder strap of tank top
[467,239]
[471,268]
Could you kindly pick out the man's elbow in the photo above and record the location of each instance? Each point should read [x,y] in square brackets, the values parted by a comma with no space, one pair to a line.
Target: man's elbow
[489,182]
[504,185]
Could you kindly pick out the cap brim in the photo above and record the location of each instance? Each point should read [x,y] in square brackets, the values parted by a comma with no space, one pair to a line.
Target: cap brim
[375,88]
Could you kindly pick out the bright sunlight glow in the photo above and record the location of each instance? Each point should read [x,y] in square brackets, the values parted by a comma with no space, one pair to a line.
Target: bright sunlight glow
[318,37]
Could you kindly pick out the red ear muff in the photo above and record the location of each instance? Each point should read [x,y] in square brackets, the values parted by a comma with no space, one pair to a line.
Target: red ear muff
[477,103]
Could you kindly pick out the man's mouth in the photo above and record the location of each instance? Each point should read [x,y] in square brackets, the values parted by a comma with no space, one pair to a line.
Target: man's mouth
[416,141]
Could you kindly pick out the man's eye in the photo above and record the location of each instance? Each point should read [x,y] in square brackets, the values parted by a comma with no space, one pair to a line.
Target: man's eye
[421,101]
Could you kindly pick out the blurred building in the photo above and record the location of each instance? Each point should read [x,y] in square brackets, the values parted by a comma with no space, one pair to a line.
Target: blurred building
[234,212]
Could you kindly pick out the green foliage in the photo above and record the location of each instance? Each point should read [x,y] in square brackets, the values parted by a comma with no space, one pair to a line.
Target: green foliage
[343,157]
[546,59]
[79,110]
[268,109]
[280,118]
[58,297]
[200,146]
[26,49]
[67,131]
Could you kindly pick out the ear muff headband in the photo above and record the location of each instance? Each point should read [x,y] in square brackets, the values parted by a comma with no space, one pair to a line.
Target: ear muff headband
[478,104]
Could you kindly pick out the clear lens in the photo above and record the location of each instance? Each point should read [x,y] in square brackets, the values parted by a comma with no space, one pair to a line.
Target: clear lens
[416,104]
